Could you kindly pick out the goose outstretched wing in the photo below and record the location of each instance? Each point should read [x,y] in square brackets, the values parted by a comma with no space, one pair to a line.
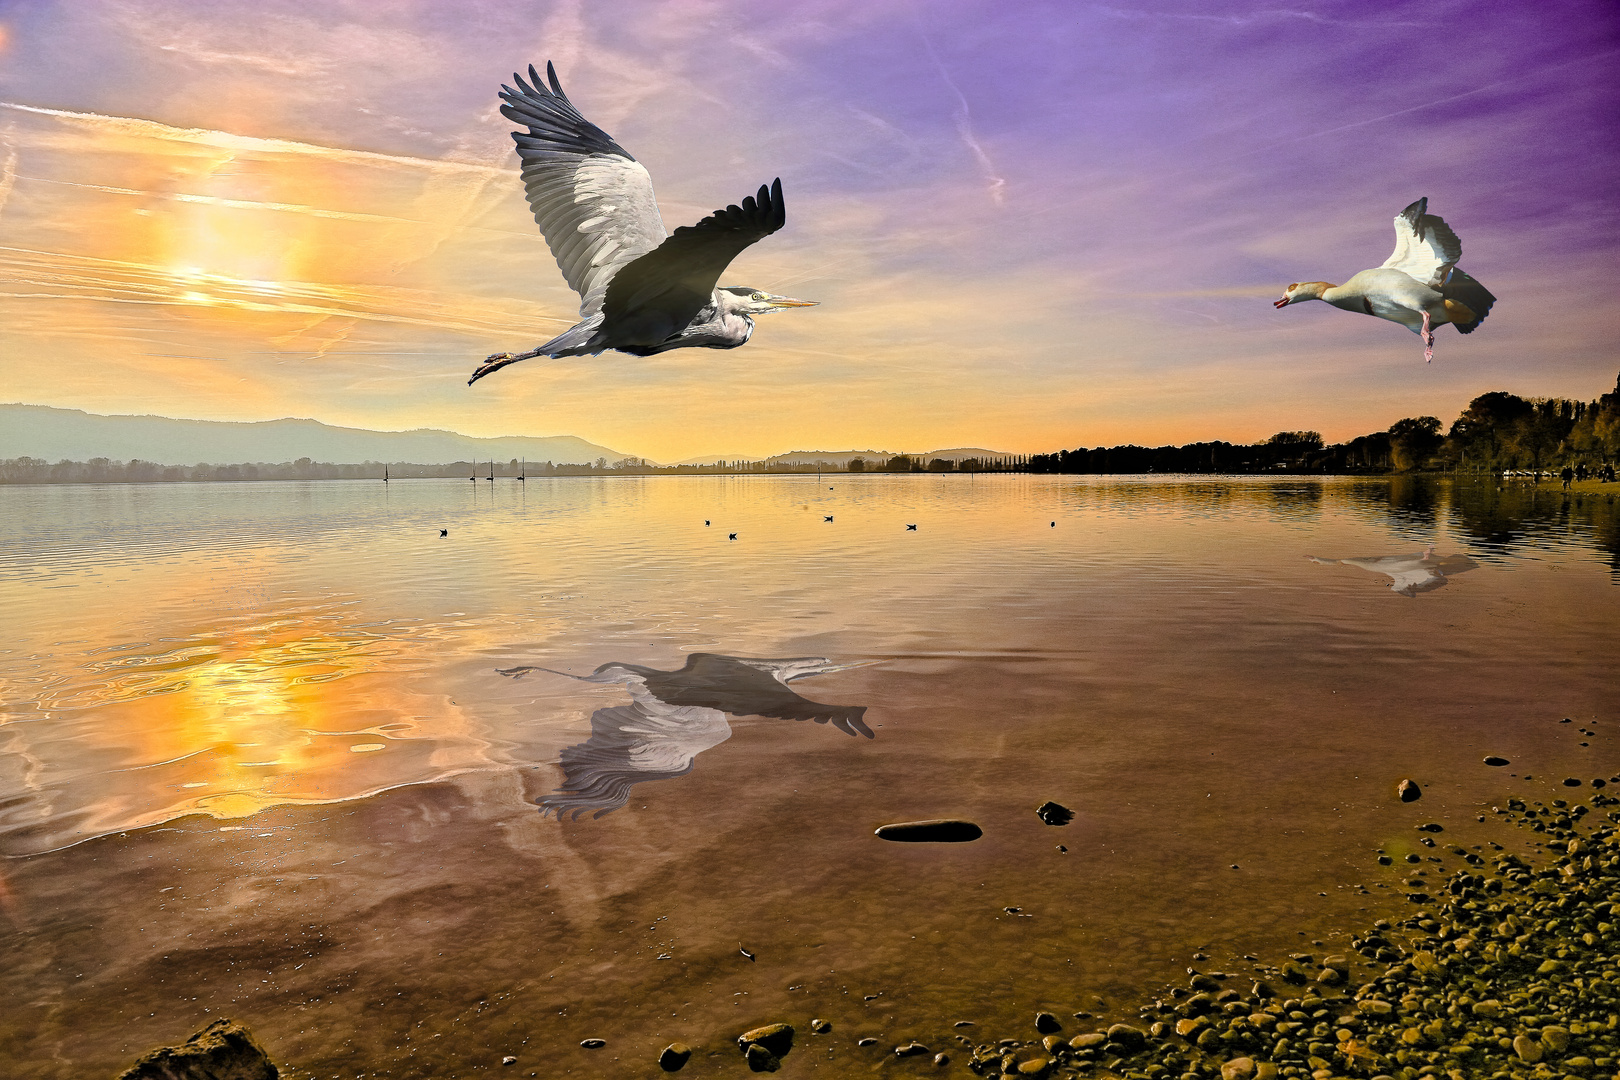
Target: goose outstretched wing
[1425,246]
[593,201]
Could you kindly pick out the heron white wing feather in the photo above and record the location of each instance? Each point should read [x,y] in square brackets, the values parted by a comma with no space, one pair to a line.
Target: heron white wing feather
[593,202]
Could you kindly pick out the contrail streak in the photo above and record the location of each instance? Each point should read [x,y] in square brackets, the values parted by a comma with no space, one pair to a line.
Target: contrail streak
[964,127]
[239,204]
[224,140]
[8,175]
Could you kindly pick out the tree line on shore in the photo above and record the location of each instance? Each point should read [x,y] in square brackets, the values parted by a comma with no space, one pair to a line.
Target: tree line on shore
[100,470]
[1497,432]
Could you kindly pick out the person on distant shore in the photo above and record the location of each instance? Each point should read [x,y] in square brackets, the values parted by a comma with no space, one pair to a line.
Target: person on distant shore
[1580,471]
[1566,474]
[1607,474]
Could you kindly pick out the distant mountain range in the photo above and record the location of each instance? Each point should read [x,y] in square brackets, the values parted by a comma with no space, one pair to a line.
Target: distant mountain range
[41,431]
[842,458]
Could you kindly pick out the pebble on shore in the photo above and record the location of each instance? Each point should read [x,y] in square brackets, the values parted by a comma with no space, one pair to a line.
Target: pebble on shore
[1508,970]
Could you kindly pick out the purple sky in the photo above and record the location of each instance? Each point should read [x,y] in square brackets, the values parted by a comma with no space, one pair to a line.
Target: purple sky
[1030,226]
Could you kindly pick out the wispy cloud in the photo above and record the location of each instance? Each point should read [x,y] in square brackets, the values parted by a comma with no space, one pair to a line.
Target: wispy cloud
[136,127]
[964,127]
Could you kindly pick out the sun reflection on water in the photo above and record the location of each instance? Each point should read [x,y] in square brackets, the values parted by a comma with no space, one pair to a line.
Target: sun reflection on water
[229,725]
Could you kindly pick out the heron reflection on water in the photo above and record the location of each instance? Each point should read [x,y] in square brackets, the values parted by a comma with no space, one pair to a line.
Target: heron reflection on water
[642,290]
[1421,571]
[676,715]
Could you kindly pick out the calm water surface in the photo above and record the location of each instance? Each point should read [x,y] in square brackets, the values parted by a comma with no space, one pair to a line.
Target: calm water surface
[258,756]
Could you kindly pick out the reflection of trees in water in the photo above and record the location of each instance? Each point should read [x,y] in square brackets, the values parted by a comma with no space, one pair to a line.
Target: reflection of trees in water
[676,715]
[1297,499]
[1413,501]
[1504,516]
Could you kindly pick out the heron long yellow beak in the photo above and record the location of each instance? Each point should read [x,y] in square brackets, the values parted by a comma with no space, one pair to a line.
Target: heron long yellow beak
[788,301]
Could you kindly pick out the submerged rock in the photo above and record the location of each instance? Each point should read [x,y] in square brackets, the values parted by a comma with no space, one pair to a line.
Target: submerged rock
[942,831]
[777,1038]
[1054,813]
[761,1059]
[674,1057]
[224,1050]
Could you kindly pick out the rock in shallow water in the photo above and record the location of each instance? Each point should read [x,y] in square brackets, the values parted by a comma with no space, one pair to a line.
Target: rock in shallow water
[1054,813]
[224,1050]
[761,1059]
[1497,761]
[777,1038]
[674,1057]
[942,831]
[1409,791]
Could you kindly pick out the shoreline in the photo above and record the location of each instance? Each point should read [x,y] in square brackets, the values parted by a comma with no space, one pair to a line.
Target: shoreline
[1509,972]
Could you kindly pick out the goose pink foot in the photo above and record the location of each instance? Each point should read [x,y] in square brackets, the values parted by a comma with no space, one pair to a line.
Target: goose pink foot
[1428,339]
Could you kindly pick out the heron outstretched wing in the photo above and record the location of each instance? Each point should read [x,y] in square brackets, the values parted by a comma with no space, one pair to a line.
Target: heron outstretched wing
[593,201]
[678,278]
[1425,246]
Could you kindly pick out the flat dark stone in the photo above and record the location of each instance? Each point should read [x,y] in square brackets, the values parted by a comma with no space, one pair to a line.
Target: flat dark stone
[1054,813]
[1433,826]
[1494,760]
[943,831]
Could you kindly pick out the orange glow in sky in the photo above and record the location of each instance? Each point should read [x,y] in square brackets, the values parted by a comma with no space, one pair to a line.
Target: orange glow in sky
[265,216]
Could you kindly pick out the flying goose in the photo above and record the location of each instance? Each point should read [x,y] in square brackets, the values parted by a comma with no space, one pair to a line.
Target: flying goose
[1419,286]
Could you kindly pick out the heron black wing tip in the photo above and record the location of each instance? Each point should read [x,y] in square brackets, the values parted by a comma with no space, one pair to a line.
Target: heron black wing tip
[556,85]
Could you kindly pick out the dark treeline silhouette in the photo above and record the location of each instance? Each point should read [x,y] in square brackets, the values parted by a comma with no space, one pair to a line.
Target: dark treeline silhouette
[1497,432]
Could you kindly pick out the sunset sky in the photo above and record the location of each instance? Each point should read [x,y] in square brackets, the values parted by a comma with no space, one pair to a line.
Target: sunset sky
[1030,226]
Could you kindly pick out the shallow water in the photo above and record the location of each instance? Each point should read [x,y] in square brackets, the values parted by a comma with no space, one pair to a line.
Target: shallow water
[257,757]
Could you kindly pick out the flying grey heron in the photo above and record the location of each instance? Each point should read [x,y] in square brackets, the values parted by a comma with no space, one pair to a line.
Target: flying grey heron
[642,290]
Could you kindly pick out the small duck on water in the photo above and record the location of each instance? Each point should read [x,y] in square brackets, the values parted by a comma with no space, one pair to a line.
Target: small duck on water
[1419,286]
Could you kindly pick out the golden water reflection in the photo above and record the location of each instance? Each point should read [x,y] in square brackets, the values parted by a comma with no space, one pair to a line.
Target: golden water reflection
[302,709]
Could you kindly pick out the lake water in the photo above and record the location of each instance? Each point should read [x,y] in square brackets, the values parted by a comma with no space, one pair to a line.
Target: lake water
[258,758]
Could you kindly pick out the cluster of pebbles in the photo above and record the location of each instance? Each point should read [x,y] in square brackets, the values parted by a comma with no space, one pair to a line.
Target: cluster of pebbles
[1511,972]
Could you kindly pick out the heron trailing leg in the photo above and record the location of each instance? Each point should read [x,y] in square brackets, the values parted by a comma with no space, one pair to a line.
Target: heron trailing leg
[501,359]
[1428,340]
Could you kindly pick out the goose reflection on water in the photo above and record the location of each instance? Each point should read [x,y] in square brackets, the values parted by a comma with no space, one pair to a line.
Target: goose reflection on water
[676,715]
[1420,571]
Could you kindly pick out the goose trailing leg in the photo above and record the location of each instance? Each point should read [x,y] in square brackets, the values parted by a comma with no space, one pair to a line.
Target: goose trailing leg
[1428,339]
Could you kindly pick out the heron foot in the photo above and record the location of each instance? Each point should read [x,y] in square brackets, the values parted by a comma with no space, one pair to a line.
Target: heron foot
[499,360]
[1428,339]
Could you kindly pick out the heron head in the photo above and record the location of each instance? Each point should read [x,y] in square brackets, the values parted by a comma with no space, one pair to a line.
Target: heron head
[1302,290]
[747,301]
